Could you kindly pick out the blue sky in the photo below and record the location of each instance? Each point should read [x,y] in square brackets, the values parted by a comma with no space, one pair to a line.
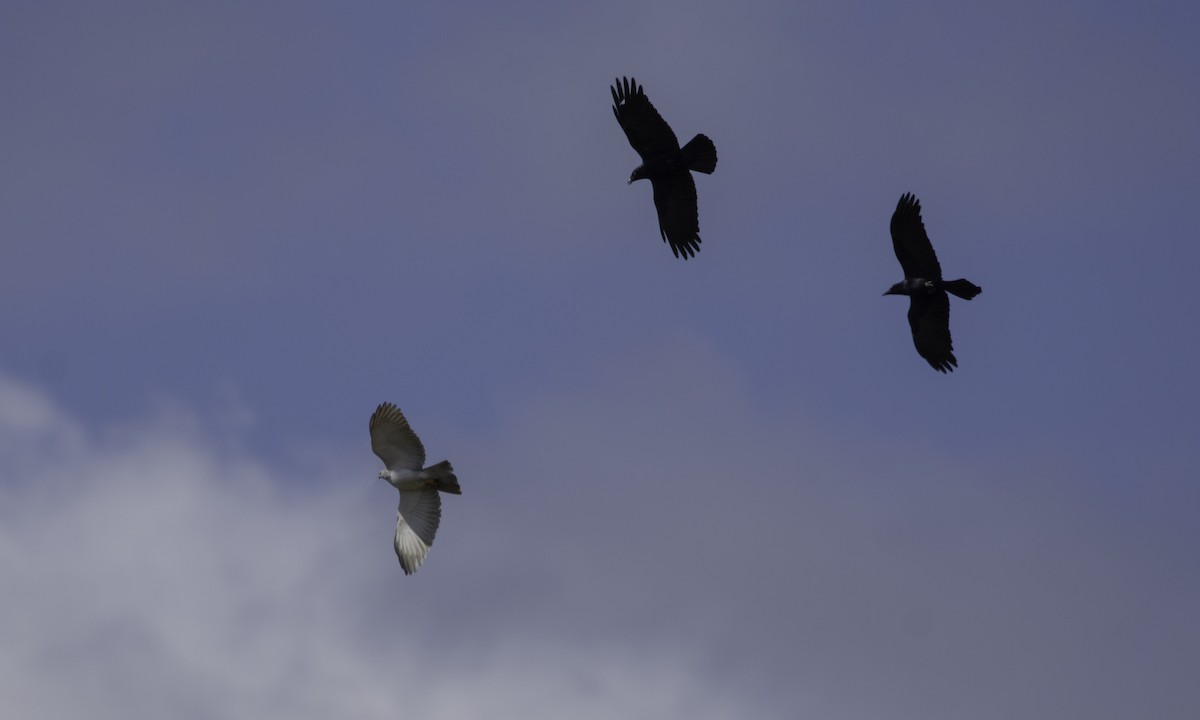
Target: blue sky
[692,489]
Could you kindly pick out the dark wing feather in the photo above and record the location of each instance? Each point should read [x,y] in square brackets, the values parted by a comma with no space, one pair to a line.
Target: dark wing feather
[648,133]
[929,318]
[678,216]
[913,249]
[393,440]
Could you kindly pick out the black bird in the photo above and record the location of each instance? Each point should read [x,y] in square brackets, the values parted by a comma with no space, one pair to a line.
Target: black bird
[929,306]
[665,164]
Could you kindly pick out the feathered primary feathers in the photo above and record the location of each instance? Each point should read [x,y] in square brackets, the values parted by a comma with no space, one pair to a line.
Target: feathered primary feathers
[911,242]
[667,166]
[420,511]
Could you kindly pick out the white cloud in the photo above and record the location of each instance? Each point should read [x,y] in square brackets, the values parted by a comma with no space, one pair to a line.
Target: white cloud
[645,543]
[151,574]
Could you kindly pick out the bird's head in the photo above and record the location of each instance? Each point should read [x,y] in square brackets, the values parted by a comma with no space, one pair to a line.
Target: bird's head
[639,173]
[384,475]
[897,289]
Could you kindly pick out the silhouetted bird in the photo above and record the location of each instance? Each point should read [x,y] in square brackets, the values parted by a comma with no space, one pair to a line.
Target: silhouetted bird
[929,306]
[665,164]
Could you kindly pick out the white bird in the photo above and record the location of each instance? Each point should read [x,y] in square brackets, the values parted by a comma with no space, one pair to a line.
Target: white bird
[420,505]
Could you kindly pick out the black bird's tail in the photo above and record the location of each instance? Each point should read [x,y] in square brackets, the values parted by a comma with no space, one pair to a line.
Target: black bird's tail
[964,289]
[700,154]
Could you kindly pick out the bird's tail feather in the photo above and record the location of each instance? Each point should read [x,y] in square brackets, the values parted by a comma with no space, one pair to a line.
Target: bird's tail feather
[701,154]
[964,289]
[447,481]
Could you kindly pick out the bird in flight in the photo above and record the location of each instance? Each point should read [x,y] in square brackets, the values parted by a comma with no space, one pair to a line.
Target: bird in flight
[665,164]
[929,306]
[420,505]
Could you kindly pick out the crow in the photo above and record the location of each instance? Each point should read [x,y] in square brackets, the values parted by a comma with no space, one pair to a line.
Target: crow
[929,306]
[665,164]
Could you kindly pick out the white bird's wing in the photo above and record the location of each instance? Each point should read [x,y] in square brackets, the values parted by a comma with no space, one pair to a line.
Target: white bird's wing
[394,441]
[416,523]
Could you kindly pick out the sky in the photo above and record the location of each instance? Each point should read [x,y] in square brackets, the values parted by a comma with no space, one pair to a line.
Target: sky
[725,487]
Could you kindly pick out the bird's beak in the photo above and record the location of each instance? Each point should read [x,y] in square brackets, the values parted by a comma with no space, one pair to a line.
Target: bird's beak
[629,181]
[887,292]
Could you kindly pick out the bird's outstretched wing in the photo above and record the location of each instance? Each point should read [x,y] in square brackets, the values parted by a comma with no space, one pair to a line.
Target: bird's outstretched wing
[929,318]
[678,216]
[648,133]
[394,441]
[913,249]
[416,525]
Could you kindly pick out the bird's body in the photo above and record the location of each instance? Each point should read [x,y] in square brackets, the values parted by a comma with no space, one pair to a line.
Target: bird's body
[916,286]
[929,304]
[665,164]
[404,479]
[420,510]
